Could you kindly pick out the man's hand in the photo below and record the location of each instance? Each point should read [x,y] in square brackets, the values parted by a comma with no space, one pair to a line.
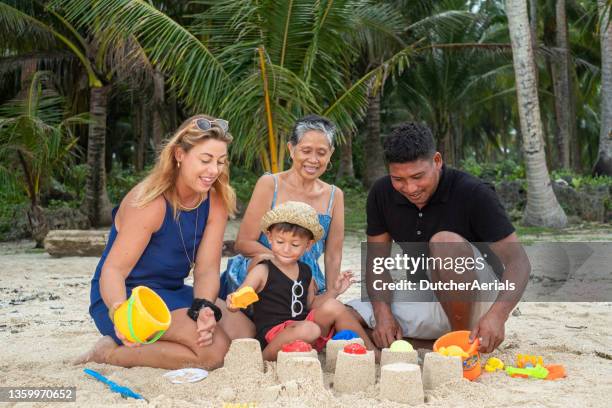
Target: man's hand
[490,330]
[345,279]
[387,329]
[206,327]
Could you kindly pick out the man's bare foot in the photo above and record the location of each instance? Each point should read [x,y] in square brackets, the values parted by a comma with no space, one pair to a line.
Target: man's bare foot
[98,353]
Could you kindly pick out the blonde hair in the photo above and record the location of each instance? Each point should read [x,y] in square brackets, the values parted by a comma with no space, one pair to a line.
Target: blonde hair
[162,178]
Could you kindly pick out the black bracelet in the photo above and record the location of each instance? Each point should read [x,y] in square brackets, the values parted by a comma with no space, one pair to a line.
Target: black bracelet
[198,304]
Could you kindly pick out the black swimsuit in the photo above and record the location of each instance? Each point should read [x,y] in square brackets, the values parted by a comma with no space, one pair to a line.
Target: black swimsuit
[281,299]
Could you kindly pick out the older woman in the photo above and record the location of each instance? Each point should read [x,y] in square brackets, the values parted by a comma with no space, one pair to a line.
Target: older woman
[169,225]
[310,149]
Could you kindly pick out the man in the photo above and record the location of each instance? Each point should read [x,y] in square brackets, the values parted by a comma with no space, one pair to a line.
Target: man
[452,214]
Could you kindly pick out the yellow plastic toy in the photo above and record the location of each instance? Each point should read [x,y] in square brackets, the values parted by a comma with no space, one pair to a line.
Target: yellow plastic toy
[494,364]
[243,297]
[142,316]
[528,360]
[401,346]
[453,351]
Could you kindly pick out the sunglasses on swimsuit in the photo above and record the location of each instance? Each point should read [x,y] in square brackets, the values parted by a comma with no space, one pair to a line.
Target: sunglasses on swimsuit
[205,124]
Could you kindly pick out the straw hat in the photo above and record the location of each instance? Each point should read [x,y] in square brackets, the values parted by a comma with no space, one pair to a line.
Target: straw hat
[294,212]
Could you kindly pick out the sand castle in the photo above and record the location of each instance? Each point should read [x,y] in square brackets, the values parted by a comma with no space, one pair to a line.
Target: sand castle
[401,382]
[354,372]
[244,355]
[439,369]
[390,357]
[331,351]
[301,369]
[285,364]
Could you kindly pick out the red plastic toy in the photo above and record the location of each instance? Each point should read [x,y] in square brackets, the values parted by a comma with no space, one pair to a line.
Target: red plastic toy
[296,346]
[355,348]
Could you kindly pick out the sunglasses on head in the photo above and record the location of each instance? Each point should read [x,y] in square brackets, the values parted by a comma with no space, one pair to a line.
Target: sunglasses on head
[205,124]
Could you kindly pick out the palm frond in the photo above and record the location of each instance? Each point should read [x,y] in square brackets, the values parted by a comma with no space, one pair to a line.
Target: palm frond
[196,74]
[22,31]
[351,105]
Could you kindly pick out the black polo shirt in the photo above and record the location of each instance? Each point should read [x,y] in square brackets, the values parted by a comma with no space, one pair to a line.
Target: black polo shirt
[462,204]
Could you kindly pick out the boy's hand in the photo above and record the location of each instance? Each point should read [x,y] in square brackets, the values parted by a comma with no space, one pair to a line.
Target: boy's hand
[345,279]
[228,303]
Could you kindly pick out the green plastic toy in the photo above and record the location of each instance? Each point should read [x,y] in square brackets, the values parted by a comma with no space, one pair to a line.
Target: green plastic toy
[536,372]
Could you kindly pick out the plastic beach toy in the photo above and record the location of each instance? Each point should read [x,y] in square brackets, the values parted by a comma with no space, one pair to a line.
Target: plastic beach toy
[243,297]
[528,360]
[453,351]
[461,339]
[494,364]
[296,346]
[143,315]
[536,372]
[401,346]
[555,371]
[345,335]
[355,348]
[114,387]
[186,375]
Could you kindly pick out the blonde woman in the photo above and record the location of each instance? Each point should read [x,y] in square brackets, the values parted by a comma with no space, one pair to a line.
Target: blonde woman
[169,225]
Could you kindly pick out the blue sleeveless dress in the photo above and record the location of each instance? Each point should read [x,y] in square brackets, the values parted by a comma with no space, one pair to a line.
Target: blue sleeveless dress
[237,266]
[163,266]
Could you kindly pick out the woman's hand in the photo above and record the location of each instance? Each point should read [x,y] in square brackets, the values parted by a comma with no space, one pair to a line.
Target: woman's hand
[258,258]
[228,303]
[345,279]
[124,340]
[206,324]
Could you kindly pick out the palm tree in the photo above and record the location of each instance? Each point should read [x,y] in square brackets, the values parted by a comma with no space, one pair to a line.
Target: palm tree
[36,141]
[258,64]
[603,166]
[103,57]
[542,207]
[562,85]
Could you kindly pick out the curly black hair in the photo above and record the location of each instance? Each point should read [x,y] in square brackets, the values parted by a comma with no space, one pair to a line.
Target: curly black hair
[409,141]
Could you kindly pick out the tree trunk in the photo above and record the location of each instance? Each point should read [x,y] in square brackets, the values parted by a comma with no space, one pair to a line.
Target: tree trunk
[139,134]
[603,166]
[158,106]
[533,22]
[375,161]
[542,207]
[37,222]
[561,86]
[98,205]
[346,169]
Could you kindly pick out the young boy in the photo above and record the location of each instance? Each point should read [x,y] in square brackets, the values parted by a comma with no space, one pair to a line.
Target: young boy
[288,309]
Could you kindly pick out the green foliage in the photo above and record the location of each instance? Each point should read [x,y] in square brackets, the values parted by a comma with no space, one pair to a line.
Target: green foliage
[582,181]
[36,138]
[120,181]
[243,181]
[504,170]
[355,197]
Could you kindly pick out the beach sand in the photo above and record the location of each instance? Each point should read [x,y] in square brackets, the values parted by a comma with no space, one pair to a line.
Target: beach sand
[44,324]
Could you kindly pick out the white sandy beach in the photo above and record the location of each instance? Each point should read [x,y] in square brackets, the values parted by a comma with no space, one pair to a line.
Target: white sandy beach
[44,324]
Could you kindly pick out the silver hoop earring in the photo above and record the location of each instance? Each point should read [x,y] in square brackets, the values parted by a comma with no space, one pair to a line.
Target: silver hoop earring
[330,166]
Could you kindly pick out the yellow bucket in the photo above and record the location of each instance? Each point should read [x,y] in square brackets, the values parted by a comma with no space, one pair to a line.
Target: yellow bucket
[142,316]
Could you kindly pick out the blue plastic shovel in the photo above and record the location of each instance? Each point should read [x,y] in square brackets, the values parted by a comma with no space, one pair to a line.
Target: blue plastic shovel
[114,387]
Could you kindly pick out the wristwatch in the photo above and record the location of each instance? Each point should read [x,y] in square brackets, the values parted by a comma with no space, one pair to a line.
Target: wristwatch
[198,304]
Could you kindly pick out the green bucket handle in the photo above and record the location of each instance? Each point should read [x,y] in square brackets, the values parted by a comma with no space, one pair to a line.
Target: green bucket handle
[129,322]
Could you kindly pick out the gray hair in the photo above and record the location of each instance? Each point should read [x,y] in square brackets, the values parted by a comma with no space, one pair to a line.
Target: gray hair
[313,122]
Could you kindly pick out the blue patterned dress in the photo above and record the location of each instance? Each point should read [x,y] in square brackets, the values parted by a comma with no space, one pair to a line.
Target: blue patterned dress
[237,266]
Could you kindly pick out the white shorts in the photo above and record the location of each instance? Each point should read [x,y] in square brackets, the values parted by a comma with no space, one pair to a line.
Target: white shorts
[427,320]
